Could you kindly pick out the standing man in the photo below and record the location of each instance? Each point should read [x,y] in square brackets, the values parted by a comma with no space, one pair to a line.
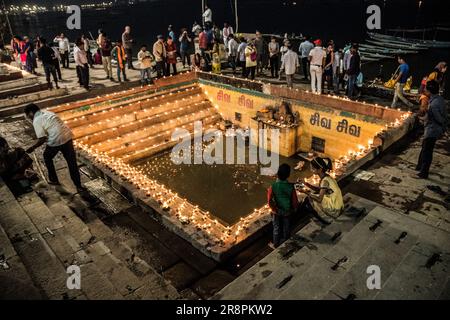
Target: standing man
[305,48]
[207,16]
[337,70]
[185,44]
[119,54]
[145,59]
[274,56]
[159,52]
[400,82]
[82,64]
[260,52]
[57,62]
[232,52]
[227,30]
[317,60]
[241,55]
[196,29]
[171,32]
[50,129]
[105,49]
[87,48]
[64,47]
[47,56]
[435,126]
[353,71]
[289,64]
[127,42]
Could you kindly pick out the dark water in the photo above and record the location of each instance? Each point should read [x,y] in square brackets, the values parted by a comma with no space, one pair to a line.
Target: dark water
[342,21]
[227,191]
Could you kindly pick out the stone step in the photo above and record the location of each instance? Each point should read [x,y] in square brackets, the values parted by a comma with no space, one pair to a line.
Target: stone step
[116,280]
[128,116]
[6,85]
[321,275]
[112,94]
[109,135]
[86,114]
[162,132]
[44,268]
[149,126]
[11,75]
[108,254]
[20,90]
[386,253]
[416,278]
[15,281]
[152,149]
[271,274]
[27,98]
[115,94]
[423,273]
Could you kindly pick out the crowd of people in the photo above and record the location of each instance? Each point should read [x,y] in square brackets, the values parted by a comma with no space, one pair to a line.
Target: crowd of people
[204,47]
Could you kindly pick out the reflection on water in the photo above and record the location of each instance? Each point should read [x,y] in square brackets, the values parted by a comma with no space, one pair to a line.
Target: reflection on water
[227,191]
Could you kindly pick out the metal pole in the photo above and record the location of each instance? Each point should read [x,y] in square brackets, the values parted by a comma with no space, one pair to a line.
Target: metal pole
[236,15]
[203,10]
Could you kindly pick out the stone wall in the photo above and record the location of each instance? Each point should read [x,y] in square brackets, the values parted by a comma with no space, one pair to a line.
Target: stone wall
[343,131]
[371,110]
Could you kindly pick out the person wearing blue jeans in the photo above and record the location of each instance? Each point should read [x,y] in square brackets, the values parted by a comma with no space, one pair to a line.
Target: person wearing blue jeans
[353,71]
[351,82]
[119,71]
[400,82]
[436,120]
[282,200]
[145,59]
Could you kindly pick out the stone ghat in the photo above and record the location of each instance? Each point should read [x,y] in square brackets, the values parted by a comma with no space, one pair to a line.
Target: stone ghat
[137,125]
[114,131]
[111,132]
[8,73]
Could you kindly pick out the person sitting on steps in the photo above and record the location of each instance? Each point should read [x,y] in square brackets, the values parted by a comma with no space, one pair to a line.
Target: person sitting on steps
[325,200]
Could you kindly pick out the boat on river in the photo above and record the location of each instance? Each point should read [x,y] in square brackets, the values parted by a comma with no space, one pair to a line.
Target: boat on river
[416,42]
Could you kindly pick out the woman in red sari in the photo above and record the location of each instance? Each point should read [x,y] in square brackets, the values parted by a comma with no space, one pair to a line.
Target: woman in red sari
[171,60]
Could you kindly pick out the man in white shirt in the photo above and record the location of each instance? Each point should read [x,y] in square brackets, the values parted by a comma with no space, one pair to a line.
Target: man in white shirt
[337,66]
[64,47]
[145,59]
[82,64]
[316,60]
[304,49]
[50,129]
[241,55]
[227,30]
[207,15]
[289,63]
[196,28]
